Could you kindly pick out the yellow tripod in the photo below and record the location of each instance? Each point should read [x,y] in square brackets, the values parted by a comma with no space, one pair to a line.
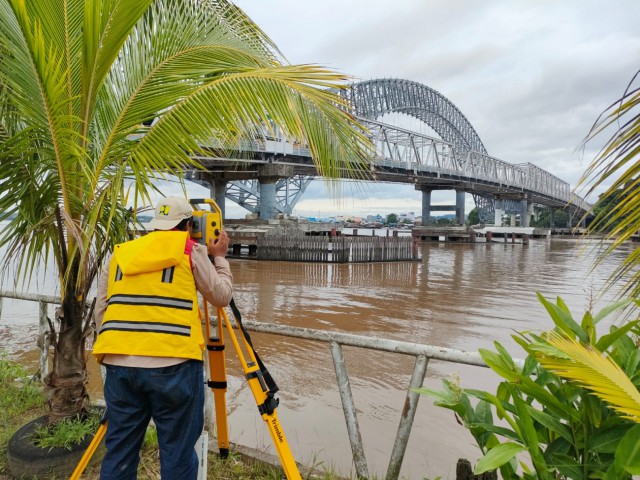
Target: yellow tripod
[262,387]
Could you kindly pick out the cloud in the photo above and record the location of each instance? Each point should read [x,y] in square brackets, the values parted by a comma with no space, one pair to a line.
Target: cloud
[531,77]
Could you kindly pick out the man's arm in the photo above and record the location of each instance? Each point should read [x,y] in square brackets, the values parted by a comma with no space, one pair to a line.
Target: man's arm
[214,282]
[101,295]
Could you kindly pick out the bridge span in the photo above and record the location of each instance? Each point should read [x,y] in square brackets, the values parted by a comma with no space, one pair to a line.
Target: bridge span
[269,175]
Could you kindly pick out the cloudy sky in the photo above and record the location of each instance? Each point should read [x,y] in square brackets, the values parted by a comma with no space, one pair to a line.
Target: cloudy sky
[530,76]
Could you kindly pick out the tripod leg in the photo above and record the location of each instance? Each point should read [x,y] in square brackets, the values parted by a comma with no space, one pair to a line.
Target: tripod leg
[266,402]
[91,449]
[218,382]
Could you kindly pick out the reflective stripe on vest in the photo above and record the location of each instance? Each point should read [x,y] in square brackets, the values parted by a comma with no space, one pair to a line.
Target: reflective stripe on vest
[151,301]
[142,326]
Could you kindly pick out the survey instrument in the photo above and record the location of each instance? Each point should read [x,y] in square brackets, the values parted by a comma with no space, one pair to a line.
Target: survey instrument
[206,224]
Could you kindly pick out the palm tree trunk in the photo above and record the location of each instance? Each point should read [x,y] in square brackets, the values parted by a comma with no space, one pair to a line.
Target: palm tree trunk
[66,384]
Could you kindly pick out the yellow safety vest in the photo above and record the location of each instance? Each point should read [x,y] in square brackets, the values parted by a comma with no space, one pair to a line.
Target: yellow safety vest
[152,303]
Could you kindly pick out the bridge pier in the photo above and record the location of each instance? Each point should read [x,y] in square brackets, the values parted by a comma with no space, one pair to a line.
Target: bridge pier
[460,197]
[426,206]
[499,212]
[218,194]
[268,175]
[552,217]
[526,210]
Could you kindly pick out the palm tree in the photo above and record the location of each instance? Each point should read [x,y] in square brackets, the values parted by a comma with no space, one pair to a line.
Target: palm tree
[617,168]
[82,81]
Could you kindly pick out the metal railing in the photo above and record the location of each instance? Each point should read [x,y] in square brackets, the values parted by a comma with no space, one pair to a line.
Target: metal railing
[336,340]
[44,340]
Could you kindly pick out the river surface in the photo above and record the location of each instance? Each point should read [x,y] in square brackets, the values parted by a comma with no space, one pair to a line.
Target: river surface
[461,296]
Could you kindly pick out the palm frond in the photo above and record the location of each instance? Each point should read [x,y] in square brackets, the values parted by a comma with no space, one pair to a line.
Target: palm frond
[617,168]
[587,367]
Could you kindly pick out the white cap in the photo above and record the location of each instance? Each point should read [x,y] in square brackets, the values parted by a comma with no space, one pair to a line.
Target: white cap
[170,211]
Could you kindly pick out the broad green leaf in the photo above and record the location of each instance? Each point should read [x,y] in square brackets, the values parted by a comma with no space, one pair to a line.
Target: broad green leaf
[563,320]
[483,413]
[606,441]
[499,362]
[502,431]
[530,438]
[627,454]
[589,327]
[567,466]
[631,367]
[501,407]
[607,340]
[437,394]
[498,456]
[550,423]
[611,308]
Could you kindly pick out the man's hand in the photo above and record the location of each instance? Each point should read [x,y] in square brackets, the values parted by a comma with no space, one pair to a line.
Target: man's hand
[219,246]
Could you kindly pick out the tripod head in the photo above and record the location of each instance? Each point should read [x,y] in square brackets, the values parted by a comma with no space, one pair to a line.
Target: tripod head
[207,224]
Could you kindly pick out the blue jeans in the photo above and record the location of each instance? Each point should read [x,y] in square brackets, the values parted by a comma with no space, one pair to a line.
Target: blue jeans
[174,397]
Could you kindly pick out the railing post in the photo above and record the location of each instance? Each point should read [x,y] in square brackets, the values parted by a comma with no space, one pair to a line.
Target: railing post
[406,420]
[44,340]
[349,409]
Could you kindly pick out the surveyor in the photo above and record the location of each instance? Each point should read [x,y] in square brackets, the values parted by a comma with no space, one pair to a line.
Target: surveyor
[150,340]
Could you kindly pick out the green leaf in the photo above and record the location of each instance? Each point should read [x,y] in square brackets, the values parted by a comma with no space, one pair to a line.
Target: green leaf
[613,307]
[551,423]
[483,413]
[500,364]
[607,440]
[607,340]
[627,454]
[589,326]
[502,431]
[498,456]
[562,318]
[567,466]
[530,437]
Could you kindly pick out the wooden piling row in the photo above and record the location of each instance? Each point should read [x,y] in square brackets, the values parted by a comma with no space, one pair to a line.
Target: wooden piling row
[342,249]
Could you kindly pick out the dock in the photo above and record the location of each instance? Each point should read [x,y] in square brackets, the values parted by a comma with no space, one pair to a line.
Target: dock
[485,234]
[314,242]
[435,233]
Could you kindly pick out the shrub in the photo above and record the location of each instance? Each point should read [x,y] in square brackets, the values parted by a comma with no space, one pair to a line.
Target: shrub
[554,423]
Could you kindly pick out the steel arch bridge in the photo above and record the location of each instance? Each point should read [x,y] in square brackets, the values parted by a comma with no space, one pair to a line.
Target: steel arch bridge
[456,160]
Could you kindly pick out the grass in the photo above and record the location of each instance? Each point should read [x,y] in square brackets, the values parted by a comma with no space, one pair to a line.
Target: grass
[20,401]
[23,400]
[68,432]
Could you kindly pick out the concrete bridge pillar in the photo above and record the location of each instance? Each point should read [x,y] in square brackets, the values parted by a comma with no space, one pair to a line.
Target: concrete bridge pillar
[268,175]
[525,214]
[426,206]
[499,211]
[460,196]
[552,217]
[218,194]
[529,213]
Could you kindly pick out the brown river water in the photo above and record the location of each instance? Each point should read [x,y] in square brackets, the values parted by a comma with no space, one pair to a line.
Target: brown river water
[461,296]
